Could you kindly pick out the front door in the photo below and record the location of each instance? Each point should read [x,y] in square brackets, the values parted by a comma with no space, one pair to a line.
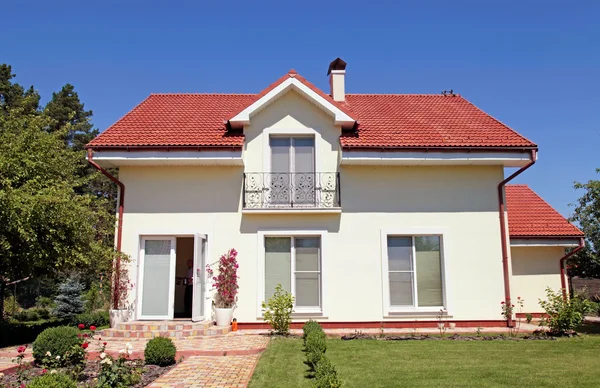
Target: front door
[157,280]
[199,277]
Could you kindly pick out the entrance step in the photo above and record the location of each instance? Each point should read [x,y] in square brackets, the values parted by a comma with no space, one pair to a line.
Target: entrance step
[171,329]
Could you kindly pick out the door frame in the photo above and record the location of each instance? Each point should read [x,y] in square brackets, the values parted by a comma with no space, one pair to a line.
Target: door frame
[172,263]
[150,234]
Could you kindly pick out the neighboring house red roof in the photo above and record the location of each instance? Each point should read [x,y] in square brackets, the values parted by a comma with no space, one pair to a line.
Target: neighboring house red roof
[385,120]
[530,216]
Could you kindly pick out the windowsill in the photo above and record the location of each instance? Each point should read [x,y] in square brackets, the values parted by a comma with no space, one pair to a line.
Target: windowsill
[416,312]
[292,210]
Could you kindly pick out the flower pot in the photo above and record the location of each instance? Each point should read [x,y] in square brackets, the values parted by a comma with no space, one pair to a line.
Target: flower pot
[223,316]
[118,316]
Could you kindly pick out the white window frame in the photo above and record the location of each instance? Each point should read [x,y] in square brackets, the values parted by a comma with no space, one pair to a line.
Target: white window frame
[290,132]
[388,309]
[321,234]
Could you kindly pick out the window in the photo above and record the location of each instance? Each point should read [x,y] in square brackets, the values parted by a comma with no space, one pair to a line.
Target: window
[415,271]
[295,263]
[292,178]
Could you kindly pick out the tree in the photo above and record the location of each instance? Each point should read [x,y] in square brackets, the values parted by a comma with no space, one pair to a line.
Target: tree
[586,263]
[46,225]
[69,301]
[13,95]
[66,108]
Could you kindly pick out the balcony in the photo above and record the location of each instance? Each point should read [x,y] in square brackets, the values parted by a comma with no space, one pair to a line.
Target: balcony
[266,192]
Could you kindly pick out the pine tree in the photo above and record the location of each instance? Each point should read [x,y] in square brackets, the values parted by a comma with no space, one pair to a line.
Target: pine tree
[69,301]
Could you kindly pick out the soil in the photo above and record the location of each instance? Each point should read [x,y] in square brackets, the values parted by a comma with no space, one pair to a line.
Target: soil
[149,374]
[454,337]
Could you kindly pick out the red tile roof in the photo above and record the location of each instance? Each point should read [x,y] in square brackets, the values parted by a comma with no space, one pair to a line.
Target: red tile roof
[426,121]
[530,216]
[397,121]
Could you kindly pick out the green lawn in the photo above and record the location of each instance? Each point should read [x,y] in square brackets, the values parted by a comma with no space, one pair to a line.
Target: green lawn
[368,363]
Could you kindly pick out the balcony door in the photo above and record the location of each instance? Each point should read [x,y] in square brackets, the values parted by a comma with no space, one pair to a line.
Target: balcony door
[292,177]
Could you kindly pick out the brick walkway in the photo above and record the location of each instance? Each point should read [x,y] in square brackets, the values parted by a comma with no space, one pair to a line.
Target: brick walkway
[210,372]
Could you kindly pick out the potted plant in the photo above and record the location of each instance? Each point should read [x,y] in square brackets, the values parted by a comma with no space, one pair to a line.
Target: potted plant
[226,286]
[121,308]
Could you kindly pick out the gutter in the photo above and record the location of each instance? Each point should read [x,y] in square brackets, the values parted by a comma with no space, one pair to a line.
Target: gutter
[503,232]
[563,260]
[116,291]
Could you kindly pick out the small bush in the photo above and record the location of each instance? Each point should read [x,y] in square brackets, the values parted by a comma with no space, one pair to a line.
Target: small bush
[316,345]
[563,315]
[11,306]
[44,302]
[326,375]
[160,351]
[278,310]
[59,341]
[95,318]
[528,317]
[52,380]
[309,327]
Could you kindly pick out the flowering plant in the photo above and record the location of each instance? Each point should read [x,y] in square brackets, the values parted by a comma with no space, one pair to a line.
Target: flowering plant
[226,282]
[118,372]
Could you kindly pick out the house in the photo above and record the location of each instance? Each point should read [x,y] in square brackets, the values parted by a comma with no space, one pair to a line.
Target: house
[368,208]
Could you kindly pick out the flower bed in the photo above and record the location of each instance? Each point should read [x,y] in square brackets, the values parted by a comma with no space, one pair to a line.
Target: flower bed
[455,337]
[90,374]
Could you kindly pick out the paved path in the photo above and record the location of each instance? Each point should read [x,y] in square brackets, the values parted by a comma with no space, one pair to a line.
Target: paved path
[210,372]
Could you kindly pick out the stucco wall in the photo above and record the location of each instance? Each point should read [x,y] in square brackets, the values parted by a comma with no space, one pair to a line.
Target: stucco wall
[460,201]
[534,269]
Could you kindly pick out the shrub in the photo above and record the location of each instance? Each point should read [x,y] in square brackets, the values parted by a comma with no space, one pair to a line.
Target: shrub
[278,310]
[310,327]
[95,318]
[117,373]
[44,302]
[316,345]
[60,342]
[69,302]
[52,380]
[11,306]
[14,333]
[325,375]
[94,299]
[563,315]
[528,317]
[160,351]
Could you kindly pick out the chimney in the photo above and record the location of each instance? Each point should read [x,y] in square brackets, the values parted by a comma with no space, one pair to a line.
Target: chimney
[337,75]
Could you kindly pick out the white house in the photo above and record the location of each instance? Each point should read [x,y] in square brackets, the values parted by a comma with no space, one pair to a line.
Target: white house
[370,209]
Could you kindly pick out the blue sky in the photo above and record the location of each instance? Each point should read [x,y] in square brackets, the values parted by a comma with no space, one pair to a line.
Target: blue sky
[535,65]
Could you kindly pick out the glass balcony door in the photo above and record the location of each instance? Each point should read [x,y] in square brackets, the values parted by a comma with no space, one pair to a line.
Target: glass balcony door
[292,177]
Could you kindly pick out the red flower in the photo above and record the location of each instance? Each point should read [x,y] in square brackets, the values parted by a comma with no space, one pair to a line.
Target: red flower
[21,349]
[85,345]
[99,338]
[85,336]
[93,328]
[104,343]
[44,371]
[502,302]
[81,326]
[22,385]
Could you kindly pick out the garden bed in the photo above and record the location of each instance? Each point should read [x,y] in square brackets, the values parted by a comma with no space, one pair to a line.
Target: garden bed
[88,377]
[454,337]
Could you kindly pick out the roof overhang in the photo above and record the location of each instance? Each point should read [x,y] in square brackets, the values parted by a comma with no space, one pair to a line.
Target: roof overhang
[436,156]
[542,241]
[119,158]
[340,117]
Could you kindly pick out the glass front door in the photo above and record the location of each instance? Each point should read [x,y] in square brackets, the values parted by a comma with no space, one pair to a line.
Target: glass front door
[199,279]
[157,278]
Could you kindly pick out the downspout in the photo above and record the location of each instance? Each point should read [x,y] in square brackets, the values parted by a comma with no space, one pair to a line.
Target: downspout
[563,281]
[116,291]
[503,234]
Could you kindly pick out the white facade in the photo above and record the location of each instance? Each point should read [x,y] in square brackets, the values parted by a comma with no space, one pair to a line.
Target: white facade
[458,203]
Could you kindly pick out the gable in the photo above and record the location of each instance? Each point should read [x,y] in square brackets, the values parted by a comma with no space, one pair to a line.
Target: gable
[292,81]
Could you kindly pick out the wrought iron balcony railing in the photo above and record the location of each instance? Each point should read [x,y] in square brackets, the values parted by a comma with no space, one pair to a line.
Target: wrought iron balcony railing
[268,190]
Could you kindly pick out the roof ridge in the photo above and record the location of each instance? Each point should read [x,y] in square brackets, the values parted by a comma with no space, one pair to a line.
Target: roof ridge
[403,94]
[203,94]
